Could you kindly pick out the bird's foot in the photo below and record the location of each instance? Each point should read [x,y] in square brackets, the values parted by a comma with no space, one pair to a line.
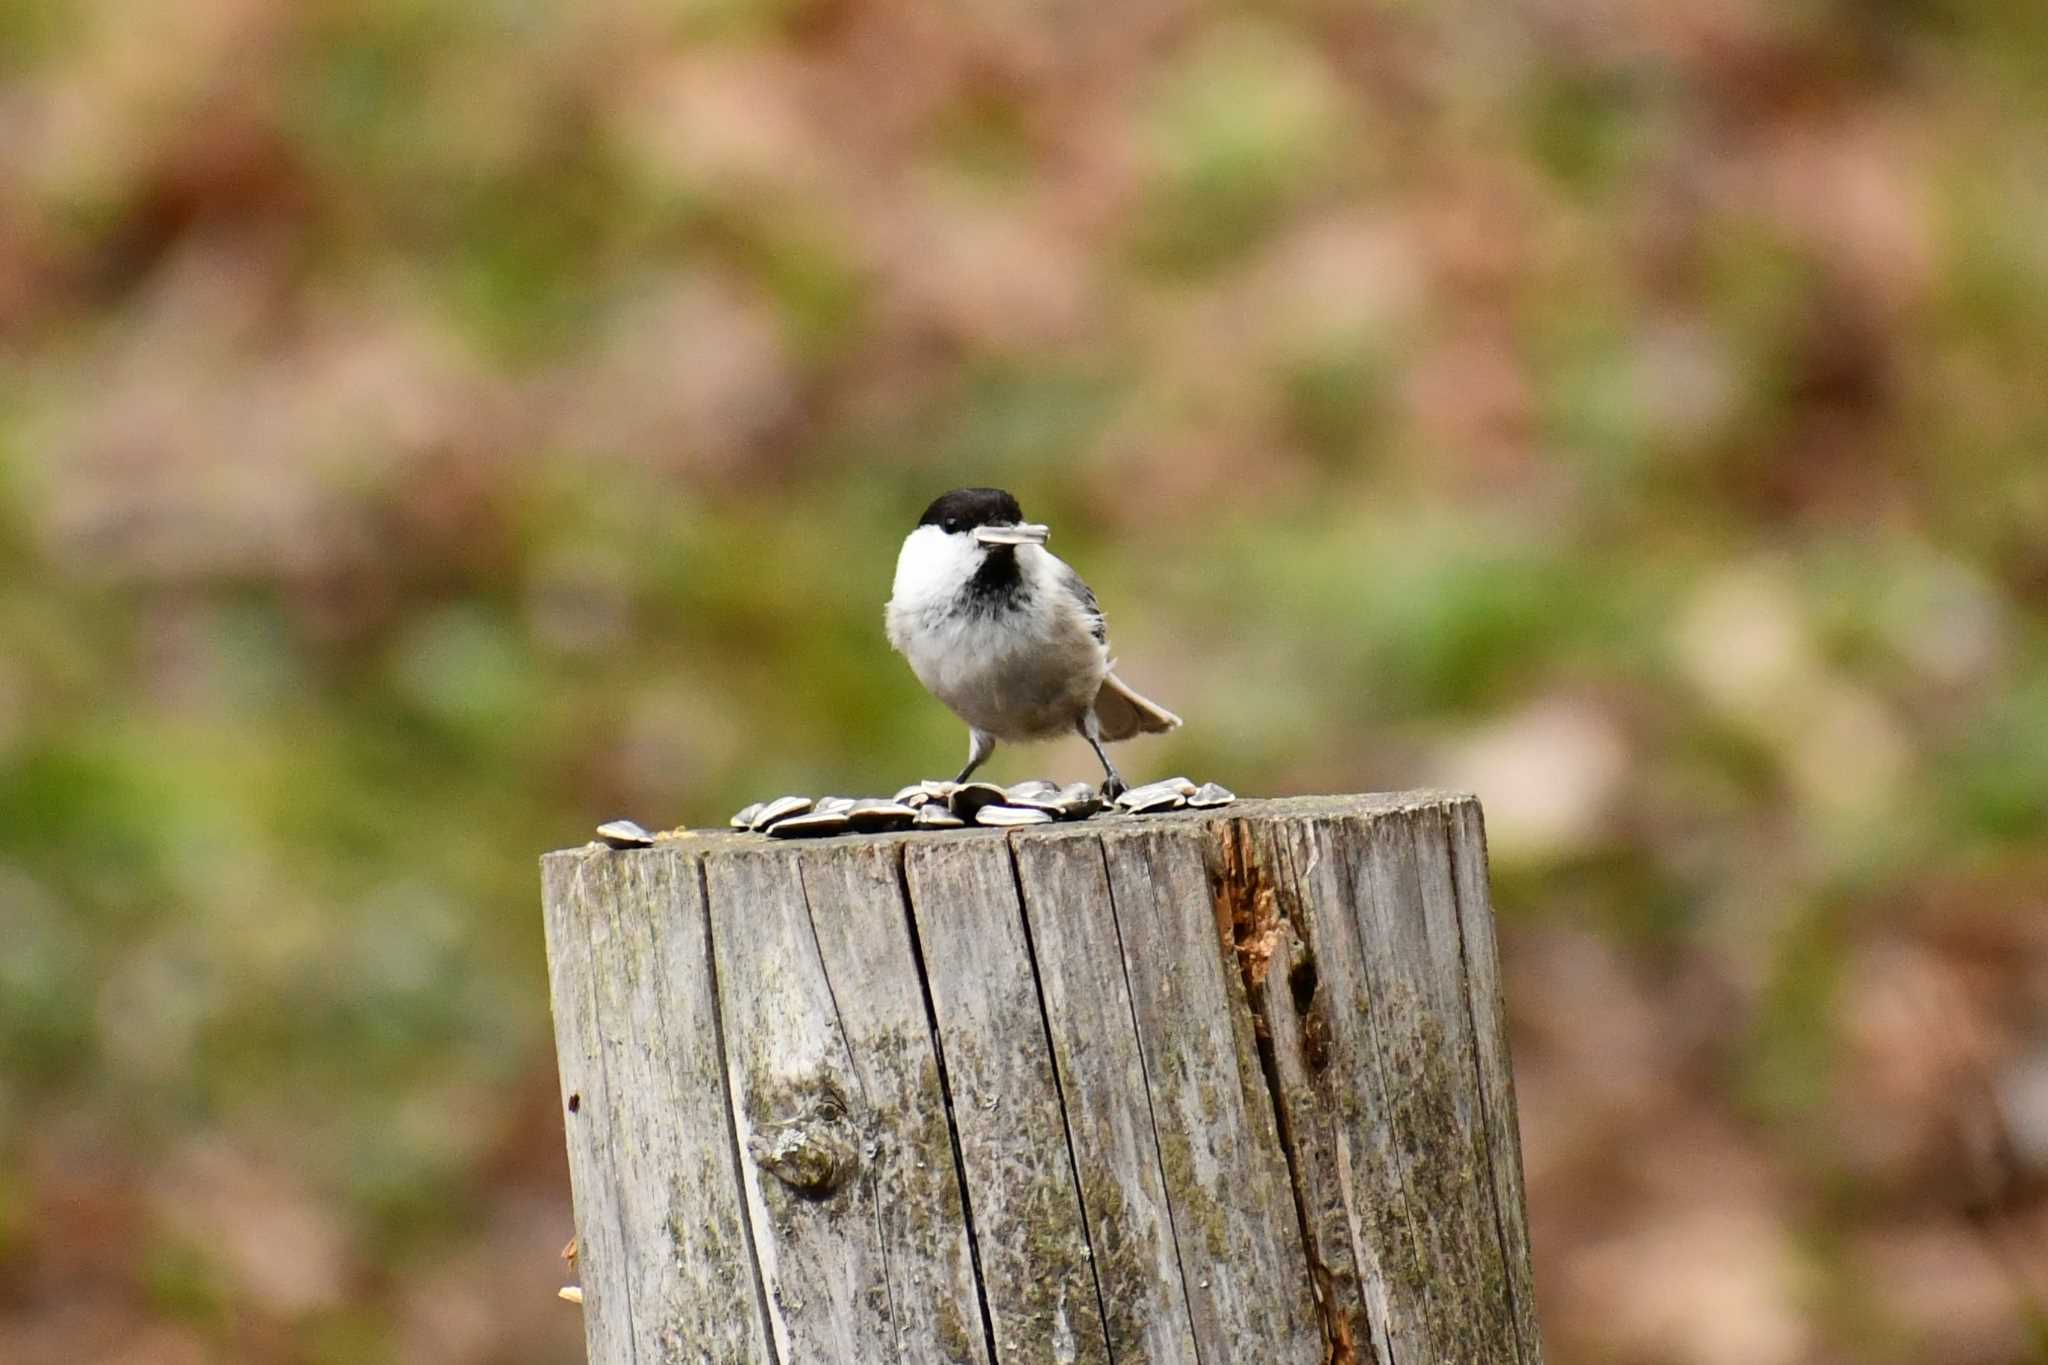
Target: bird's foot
[1112,788]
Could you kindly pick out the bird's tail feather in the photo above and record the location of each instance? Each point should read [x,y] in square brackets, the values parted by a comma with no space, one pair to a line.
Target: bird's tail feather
[1121,713]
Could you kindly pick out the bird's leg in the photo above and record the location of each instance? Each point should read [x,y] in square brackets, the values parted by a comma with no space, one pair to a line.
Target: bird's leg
[1113,784]
[980,744]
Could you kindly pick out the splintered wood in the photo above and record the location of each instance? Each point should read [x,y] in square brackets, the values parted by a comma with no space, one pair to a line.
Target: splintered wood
[1211,1087]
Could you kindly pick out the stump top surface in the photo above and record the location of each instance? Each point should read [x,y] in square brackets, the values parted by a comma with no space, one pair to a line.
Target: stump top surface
[715,840]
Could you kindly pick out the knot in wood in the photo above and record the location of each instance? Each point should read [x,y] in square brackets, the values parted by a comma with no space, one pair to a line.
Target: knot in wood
[814,1153]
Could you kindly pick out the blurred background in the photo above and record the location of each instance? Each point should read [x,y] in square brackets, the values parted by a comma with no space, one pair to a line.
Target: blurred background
[428,428]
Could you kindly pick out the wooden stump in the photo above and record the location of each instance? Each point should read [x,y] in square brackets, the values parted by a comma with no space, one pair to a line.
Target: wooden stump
[1211,1087]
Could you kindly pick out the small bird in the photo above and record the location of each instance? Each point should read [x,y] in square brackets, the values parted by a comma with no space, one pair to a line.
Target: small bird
[1007,635]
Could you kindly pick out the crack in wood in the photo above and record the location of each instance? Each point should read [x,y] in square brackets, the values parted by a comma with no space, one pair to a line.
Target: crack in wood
[624,1284]
[1151,1111]
[1253,925]
[1059,1089]
[732,1131]
[1478,1072]
[924,989]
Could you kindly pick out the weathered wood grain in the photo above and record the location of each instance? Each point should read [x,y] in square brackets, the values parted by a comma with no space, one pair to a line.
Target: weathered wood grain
[801,1113]
[1427,1047]
[1079,953]
[1036,1264]
[1226,1178]
[1281,885]
[858,915]
[1467,829]
[1202,1088]
[650,1136]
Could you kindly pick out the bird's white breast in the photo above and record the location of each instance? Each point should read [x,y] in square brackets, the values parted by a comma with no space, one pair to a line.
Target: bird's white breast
[1024,670]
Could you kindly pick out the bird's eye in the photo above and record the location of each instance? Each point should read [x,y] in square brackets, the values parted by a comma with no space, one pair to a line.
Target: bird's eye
[952,525]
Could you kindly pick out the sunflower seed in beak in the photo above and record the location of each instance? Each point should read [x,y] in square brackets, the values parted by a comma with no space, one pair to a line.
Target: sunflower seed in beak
[1023,533]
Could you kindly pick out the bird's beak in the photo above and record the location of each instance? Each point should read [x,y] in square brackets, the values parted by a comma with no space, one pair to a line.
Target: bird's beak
[1023,533]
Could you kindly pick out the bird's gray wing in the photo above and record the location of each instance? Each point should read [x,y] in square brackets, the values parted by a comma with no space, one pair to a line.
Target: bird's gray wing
[1097,626]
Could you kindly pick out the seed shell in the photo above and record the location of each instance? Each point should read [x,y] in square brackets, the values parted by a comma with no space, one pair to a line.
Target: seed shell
[1002,816]
[972,796]
[1079,800]
[624,834]
[781,808]
[1153,796]
[875,814]
[810,826]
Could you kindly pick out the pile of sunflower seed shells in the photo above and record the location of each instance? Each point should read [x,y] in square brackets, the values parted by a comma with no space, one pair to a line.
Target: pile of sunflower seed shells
[944,805]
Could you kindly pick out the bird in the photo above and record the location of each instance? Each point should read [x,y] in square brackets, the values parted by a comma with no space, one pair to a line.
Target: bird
[1007,635]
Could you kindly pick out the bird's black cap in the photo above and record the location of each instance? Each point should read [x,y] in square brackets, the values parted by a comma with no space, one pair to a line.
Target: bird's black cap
[963,509]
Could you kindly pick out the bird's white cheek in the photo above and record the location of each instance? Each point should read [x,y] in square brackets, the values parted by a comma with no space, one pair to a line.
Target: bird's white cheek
[932,565]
